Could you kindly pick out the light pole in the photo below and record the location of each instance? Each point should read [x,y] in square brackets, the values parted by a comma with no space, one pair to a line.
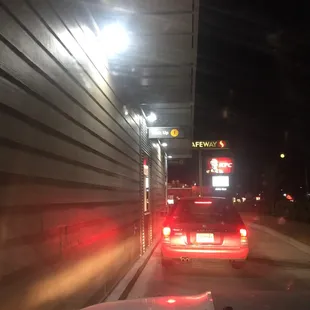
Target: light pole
[306,181]
[276,182]
[200,172]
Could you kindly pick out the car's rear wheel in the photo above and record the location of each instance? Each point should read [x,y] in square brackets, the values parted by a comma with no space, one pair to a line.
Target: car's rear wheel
[238,264]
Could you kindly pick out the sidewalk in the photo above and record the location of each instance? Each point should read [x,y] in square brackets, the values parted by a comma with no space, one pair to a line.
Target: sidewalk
[296,230]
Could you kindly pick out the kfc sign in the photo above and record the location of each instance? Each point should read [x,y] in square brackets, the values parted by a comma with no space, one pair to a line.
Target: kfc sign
[219,165]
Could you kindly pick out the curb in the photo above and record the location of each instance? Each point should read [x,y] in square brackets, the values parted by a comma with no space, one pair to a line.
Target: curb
[297,244]
[124,286]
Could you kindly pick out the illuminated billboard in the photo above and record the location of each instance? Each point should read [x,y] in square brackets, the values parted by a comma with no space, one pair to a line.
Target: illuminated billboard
[220,165]
[220,181]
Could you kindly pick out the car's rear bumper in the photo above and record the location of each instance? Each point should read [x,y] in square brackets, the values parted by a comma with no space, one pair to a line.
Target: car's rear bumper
[221,253]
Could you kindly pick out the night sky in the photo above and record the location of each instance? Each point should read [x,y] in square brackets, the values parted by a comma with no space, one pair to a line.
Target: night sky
[252,85]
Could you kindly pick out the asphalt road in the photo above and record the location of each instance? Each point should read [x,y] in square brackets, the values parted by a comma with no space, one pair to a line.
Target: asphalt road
[277,276]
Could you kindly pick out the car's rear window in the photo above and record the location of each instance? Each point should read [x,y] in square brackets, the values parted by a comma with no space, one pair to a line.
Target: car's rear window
[209,211]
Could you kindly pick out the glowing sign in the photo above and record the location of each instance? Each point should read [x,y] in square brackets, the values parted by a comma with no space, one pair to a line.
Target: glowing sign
[219,165]
[165,132]
[221,181]
[174,132]
[212,144]
[221,189]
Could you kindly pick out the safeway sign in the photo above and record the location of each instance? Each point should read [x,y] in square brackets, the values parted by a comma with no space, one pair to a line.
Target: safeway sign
[211,144]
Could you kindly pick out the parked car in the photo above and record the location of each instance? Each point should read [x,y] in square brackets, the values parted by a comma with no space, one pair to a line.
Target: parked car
[204,228]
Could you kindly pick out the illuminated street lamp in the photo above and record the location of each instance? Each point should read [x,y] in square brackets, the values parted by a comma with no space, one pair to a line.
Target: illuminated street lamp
[282,155]
[115,39]
[151,117]
[125,110]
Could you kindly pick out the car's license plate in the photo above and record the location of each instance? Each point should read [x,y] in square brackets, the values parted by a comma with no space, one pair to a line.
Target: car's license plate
[205,238]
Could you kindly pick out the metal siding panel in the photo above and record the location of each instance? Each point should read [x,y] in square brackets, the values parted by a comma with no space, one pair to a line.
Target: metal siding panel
[50,221]
[152,24]
[176,119]
[80,61]
[75,141]
[38,140]
[164,95]
[164,43]
[164,81]
[144,152]
[145,144]
[149,56]
[153,71]
[147,6]
[34,196]
[56,75]
[158,189]
[84,44]
[29,163]
[66,120]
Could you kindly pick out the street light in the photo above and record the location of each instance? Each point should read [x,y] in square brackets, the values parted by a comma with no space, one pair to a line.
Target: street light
[125,110]
[115,39]
[282,155]
[151,117]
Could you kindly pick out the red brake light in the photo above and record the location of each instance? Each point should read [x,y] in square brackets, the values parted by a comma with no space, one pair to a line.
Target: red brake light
[243,232]
[203,202]
[166,231]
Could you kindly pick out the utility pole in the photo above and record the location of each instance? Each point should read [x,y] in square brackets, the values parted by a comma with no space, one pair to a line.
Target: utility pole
[200,172]
[306,180]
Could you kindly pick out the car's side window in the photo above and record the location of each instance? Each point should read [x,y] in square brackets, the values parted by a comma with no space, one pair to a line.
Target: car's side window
[232,214]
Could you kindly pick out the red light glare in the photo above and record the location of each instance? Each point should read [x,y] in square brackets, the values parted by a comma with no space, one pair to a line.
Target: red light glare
[166,231]
[171,301]
[289,197]
[203,202]
[184,239]
[243,232]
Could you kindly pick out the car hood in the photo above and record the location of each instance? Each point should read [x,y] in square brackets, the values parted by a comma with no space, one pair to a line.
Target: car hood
[197,302]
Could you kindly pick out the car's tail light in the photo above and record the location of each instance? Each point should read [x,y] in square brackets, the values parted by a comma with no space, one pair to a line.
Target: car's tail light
[203,202]
[166,231]
[243,232]
[243,236]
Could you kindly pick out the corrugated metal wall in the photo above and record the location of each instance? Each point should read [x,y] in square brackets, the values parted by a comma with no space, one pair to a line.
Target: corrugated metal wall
[145,155]
[157,162]
[70,162]
[158,189]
